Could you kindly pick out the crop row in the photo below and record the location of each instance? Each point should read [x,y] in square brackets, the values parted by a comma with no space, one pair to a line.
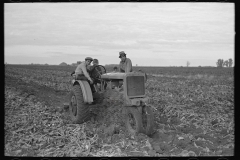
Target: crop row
[58,80]
[197,101]
[183,71]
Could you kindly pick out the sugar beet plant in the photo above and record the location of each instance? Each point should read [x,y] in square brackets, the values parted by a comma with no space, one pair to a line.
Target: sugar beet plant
[187,100]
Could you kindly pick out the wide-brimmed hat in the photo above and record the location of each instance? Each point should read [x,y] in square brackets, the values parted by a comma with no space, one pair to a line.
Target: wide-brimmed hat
[122,53]
[88,58]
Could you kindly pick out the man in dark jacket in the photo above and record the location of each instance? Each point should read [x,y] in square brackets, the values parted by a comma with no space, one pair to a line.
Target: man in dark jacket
[95,63]
[95,70]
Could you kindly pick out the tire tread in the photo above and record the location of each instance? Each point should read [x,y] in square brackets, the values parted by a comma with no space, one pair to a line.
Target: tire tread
[83,113]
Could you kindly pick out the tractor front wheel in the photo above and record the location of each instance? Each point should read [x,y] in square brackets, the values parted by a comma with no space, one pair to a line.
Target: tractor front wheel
[147,120]
[133,120]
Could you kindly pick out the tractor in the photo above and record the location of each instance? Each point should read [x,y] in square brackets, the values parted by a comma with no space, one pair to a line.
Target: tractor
[138,115]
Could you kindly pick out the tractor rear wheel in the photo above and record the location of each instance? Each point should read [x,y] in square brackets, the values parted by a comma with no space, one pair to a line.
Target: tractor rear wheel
[79,112]
[147,120]
[133,120]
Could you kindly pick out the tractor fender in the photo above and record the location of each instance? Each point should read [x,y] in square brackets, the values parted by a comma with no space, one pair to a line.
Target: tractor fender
[87,93]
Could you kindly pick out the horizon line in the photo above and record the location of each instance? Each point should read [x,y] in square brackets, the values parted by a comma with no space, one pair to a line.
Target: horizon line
[36,64]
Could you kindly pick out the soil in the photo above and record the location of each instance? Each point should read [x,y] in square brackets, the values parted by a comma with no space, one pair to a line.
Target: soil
[165,142]
[106,119]
[48,96]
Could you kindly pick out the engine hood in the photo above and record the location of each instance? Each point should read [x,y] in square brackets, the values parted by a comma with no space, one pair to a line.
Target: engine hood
[113,76]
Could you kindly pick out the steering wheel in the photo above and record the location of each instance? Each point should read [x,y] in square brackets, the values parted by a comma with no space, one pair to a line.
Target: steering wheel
[97,71]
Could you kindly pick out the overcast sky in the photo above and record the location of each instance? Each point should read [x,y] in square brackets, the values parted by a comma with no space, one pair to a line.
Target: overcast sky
[151,34]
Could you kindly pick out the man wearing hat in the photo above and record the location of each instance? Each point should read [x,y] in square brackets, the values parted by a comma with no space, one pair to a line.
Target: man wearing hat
[115,69]
[95,63]
[96,71]
[81,70]
[125,63]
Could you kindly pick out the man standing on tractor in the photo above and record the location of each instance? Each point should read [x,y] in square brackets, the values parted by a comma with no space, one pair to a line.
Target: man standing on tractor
[125,63]
[81,70]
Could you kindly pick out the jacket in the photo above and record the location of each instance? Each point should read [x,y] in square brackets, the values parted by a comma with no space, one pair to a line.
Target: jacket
[125,66]
[82,70]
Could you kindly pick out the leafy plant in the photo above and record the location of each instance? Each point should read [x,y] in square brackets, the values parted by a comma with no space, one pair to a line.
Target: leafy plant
[193,108]
[230,62]
[220,63]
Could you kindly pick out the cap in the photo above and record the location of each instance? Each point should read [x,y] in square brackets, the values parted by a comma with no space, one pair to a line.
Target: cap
[95,60]
[122,53]
[88,58]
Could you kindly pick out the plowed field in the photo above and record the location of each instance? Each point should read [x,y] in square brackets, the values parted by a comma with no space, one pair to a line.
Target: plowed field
[193,111]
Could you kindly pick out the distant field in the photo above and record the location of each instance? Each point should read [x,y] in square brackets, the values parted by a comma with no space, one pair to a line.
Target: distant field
[150,70]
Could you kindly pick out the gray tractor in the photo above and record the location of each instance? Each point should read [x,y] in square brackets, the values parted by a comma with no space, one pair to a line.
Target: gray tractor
[138,114]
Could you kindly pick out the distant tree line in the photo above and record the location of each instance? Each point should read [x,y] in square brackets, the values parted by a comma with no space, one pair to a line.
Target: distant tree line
[37,64]
[61,64]
[227,63]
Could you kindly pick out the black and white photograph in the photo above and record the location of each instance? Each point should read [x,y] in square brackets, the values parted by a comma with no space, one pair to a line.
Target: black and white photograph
[119,79]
